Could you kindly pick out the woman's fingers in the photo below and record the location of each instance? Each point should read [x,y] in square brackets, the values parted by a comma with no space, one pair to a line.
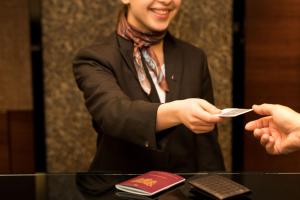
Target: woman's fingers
[203,115]
[202,129]
[208,107]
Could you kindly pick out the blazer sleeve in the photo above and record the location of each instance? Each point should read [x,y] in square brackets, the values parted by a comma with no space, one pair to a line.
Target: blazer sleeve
[111,109]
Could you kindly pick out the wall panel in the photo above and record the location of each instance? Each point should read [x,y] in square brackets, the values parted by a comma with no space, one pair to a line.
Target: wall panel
[272,71]
[15,65]
[15,87]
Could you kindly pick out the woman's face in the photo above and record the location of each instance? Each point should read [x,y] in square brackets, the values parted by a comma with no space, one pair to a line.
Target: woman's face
[151,15]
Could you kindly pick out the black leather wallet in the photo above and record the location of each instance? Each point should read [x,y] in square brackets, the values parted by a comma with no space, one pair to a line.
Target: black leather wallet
[218,187]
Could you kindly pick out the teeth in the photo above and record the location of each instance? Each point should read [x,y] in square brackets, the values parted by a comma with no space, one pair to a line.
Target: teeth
[161,12]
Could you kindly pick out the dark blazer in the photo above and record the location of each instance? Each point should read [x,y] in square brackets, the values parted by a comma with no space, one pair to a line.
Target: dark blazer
[124,116]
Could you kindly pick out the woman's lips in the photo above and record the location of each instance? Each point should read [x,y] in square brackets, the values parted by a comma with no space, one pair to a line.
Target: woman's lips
[161,13]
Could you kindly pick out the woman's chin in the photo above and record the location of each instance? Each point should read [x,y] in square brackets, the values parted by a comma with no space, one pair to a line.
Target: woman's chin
[159,28]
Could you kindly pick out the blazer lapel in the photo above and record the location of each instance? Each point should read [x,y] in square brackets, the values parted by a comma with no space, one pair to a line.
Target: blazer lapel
[126,49]
[173,64]
[174,67]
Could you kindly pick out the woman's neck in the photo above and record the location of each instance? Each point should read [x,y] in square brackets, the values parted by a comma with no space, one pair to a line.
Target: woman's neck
[158,50]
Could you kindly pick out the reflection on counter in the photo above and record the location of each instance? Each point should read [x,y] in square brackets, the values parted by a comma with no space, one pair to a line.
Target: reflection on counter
[84,186]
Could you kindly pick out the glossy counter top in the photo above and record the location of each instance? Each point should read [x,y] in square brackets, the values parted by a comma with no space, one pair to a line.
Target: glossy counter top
[86,186]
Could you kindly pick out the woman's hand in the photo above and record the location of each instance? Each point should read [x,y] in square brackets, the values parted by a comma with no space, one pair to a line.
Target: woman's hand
[196,114]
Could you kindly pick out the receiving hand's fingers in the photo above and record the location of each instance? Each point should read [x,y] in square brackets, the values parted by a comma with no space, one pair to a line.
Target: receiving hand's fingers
[250,126]
[270,146]
[258,133]
[264,139]
[261,131]
[259,123]
[264,109]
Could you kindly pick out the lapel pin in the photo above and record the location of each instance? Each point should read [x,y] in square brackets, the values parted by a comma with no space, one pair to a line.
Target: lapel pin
[173,77]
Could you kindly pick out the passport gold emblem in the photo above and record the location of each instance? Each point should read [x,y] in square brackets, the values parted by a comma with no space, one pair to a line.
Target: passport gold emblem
[145,181]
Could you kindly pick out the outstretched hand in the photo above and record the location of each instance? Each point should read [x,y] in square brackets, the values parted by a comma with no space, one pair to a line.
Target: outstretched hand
[198,115]
[279,131]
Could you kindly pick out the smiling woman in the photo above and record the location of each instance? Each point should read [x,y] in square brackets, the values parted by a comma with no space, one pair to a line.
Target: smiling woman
[149,15]
[150,95]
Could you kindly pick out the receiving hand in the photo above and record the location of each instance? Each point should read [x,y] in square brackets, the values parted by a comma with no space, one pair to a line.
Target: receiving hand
[279,131]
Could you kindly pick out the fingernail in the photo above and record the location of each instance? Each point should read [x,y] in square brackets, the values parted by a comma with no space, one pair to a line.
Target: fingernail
[246,126]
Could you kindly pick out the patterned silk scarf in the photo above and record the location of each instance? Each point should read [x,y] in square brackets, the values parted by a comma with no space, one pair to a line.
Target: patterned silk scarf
[142,43]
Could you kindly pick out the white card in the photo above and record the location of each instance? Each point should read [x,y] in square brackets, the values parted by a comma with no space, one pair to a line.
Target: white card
[233,112]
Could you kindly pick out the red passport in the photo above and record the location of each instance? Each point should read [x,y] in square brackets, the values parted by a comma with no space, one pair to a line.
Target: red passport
[150,183]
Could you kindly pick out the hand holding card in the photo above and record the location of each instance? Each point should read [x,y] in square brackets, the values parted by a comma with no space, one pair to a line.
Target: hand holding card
[233,112]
